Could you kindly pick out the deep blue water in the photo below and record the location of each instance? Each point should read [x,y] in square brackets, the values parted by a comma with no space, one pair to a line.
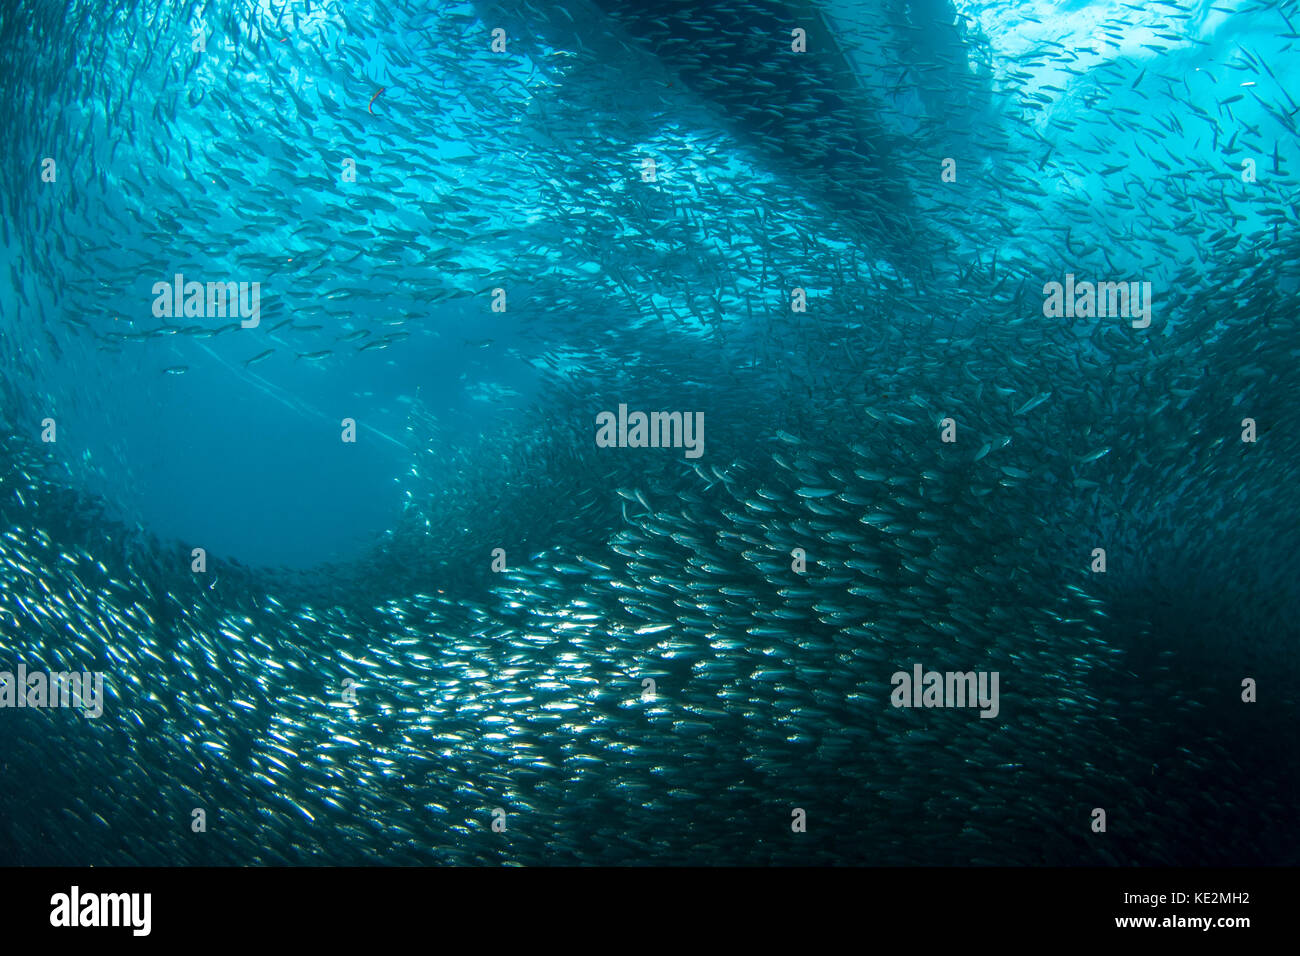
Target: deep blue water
[840,257]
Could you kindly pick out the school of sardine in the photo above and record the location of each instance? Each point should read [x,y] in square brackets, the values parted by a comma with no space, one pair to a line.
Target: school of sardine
[669,655]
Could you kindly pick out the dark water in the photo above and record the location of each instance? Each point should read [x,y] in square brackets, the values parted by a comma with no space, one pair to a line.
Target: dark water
[834,262]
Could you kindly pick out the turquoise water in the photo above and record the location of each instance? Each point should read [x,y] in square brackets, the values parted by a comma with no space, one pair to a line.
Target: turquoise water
[837,257]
